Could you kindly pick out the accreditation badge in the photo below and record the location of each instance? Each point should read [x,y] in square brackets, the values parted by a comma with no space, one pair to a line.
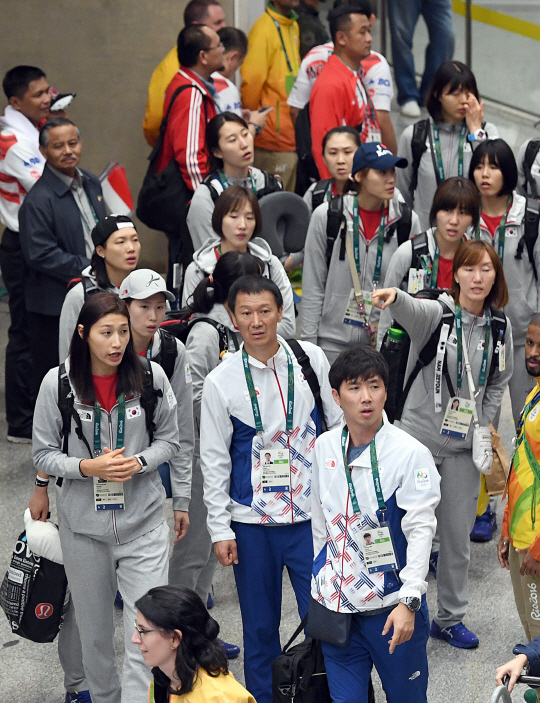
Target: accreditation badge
[378,548]
[108,495]
[358,310]
[417,281]
[458,417]
[275,470]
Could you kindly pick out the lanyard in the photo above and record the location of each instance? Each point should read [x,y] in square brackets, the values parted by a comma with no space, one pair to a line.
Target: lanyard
[289,65]
[149,349]
[225,181]
[374,473]
[253,395]
[121,424]
[380,240]
[533,462]
[459,333]
[440,168]
[435,268]
[500,231]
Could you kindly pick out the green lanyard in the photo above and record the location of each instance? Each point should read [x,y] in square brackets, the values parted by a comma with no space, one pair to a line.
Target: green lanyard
[289,66]
[225,181]
[253,395]
[533,462]
[380,241]
[374,473]
[149,349]
[462,135]
[435,268]
[500,231]
[121,424]
[459,334]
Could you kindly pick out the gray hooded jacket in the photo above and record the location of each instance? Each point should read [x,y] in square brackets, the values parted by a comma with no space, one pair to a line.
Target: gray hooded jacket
[144,493]
[325,292]
[420,318]
[427,179]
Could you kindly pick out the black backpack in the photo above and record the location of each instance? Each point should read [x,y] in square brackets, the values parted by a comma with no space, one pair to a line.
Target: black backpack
[420,247]
[164,196]
[336,226]
[67,411]
[272,184]
[90,286]
[398,389]
[531,152]
[318,194]
[302,130]
[179,324]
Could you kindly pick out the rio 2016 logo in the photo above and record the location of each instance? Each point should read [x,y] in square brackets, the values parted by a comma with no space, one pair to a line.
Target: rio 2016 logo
[44,611]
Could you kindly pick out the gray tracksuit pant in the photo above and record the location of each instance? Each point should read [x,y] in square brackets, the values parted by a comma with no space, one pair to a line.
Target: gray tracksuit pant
[95,570]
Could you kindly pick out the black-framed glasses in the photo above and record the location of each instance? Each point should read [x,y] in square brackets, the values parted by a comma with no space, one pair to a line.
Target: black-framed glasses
[141,631]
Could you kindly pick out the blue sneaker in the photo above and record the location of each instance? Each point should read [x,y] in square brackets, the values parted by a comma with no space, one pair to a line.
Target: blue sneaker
[457,635]
[433,561]
[231,651]
[118,601]
[78,697]
[209,602]
[484,527]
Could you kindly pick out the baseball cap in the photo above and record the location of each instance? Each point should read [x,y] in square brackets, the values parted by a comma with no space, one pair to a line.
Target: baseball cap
[374,155]
[109,225]
[143,283]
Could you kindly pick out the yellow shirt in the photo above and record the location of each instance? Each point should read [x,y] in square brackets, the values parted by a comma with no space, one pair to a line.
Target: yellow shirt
[267,78]
[210,689]
[159,83]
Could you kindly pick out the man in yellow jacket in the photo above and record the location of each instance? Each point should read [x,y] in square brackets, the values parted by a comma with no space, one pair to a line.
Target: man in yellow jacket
[208,12]
[268,74]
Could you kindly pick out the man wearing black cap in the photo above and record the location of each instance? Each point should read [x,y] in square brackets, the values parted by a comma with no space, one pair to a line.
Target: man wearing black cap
[55,224]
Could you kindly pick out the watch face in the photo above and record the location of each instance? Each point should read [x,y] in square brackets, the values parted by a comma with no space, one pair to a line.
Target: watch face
[414,603]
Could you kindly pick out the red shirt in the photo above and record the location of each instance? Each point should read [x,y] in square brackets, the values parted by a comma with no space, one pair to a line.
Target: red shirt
[371,219]
[492,222]
[444,274]
[185,136]
[105,388]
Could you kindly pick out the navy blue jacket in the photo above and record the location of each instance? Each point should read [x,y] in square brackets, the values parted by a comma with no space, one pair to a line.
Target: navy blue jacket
[52,239]
[532,652]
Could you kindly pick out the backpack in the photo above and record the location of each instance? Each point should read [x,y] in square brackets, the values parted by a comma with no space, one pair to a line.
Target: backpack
[167,353]
[178,325]
[421,129]
[164,196]
[318,194]
[531,152]
[89,286]
[66,399]
[272,184]
[336,225]
[420,247]
[311,378]
[398,389]
[302,130]
[532,222]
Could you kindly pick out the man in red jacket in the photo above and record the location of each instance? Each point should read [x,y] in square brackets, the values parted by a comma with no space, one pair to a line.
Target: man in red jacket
[339,96]
[200,53]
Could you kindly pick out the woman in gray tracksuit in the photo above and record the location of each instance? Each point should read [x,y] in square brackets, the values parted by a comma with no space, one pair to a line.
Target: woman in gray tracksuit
[447,138]
[478,285]
[116,254]
[494,171]
[193,561]
[112,525]
[426,260]
[237,220]
[328,289]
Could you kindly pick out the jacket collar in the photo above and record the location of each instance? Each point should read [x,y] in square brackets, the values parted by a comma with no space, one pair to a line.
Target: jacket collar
[364,459]
[278,17]
[194,78]
[279,357]
[59,185]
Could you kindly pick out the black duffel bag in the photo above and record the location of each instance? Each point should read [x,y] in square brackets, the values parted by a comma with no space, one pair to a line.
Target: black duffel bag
[164,196]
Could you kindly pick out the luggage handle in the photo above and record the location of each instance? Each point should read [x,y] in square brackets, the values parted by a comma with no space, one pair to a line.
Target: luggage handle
[295,635]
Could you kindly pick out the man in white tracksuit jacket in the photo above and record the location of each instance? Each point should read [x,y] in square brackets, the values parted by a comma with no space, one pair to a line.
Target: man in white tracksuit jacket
[258,521]
[346,522]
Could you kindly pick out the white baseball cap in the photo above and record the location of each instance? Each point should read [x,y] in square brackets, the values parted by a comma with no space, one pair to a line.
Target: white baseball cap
[142,284]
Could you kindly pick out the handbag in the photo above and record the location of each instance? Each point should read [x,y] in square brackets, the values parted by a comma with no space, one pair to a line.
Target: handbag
[327,625]
[164,196]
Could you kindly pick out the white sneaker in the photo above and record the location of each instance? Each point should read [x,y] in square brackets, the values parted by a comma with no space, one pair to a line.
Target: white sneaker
[410,109]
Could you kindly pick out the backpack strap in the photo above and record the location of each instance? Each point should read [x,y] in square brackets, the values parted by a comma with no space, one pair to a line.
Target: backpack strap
[149,397]
[426,356]
[318,193]
[214,185]
[168,353]
[531,224]
[65,403]
[402,227]
[221,330]
[418,147]
[335,224]
[73,283]
[295,634]
[531,152]
[311,377]
[89,286]
[498,330]
[420,247]
[272,184]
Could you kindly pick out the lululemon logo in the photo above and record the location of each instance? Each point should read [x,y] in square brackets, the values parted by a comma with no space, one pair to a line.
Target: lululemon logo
[44,611]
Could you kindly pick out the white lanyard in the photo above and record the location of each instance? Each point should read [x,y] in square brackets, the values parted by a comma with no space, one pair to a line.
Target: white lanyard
[439,364]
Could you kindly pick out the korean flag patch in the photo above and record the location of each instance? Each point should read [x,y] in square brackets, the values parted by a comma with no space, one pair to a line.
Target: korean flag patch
[133,412]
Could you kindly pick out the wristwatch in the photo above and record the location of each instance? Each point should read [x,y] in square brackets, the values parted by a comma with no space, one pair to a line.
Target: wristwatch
[478,136]
[412,602]
[258,128]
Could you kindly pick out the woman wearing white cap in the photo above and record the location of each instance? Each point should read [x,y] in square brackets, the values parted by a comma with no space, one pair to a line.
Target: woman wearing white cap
[116,254]
[339,277]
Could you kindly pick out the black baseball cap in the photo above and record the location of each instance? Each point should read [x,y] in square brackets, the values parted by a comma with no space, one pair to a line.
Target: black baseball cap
[109,225]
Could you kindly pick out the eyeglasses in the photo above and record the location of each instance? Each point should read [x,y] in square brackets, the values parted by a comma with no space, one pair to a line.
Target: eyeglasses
[141,631]
[218,46]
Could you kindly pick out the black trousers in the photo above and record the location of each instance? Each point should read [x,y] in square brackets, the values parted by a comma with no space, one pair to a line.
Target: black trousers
[44,336]
[20,398]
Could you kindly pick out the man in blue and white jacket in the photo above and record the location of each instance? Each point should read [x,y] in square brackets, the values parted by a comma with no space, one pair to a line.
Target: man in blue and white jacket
[390,484]
[259,422]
